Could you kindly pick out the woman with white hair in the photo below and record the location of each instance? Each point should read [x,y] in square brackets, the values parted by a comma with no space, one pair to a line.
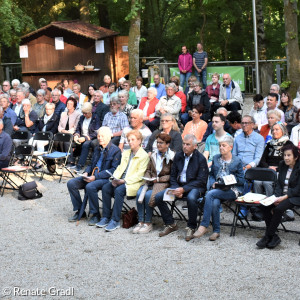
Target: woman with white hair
[15,83]
[125,107]
[224,164]
[39,106]
[148,105]
[85,133]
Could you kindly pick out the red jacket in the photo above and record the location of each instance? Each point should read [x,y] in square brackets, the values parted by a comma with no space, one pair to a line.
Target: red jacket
[213,92]
[182,97]
[264,130]
[151,108]
[185,62]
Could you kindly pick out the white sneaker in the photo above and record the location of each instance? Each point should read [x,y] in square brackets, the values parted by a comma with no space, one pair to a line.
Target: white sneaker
[146,228]
[137,228]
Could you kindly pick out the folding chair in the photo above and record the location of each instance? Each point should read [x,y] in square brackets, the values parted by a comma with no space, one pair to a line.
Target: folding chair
[56,155]
[260,174]
[23,136]
[46,136]
[24,151]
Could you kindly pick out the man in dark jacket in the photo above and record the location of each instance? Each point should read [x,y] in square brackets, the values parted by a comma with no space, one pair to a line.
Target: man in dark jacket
[99,108]
[5,147]
[188,180]
[106,156]
[197,96]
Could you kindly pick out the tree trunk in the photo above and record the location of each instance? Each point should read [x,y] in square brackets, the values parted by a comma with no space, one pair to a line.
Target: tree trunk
[266,69]
[84,11]
[292,47]
[134,41]
[1,68]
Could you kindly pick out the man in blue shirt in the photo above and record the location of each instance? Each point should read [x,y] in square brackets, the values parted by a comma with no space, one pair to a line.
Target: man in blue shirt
[8,112]
[5,147]
[249,147]
[200,60]
[161,89]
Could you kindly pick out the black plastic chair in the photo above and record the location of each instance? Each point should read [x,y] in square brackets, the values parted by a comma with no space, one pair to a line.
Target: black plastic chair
[54,155]
[252,174]
[24,154]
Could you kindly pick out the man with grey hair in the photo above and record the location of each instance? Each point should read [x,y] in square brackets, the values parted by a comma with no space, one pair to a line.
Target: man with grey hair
[274,88]
[13,97]
[7,111]
[169,103]
[106,157]
[6,87]
[99,108]
[115,120]
[39,107]
[28,94]
[161,89]
[136,123]
[5,147]
[249,147]
[27,119]
[188,180]
[17,108]
[59,106]
[8,126]
[230,95]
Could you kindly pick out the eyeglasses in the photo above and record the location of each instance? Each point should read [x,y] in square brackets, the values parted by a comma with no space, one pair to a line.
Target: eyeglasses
[246,123]
[163,121]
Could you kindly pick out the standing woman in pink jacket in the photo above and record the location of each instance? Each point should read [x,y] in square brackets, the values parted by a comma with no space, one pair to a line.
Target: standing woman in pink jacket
[185,65]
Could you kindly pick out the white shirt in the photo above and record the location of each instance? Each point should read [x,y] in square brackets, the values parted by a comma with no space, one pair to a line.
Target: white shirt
[186,163]
[18,109]
[258,115]
[140,93]
[85,126]
[295,135]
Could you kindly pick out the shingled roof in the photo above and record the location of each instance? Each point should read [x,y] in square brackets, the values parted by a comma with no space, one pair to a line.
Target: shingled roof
[77,27]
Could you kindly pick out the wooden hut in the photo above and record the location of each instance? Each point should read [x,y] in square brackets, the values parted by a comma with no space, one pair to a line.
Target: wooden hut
[53,51]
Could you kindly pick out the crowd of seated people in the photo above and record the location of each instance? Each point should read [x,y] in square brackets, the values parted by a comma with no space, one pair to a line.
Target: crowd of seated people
[161,138]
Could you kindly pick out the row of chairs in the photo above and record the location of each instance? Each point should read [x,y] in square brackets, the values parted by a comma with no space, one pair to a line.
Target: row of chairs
[26,154]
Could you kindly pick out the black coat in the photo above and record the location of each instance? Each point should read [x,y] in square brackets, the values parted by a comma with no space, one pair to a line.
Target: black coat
[101,110]
[51,125]
[93,127]
[202,99]
[196,173]
[293,185]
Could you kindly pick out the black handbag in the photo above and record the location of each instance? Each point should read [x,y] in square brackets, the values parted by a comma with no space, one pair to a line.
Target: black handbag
[220,184]
[29,191]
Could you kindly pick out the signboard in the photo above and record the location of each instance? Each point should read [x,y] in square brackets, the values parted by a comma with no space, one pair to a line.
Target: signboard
[237,74]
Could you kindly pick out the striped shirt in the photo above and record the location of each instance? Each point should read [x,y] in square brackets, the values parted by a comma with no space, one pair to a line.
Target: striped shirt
[200,58]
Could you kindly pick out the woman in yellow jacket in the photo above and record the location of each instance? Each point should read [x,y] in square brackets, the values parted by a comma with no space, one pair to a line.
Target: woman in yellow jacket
[127,179]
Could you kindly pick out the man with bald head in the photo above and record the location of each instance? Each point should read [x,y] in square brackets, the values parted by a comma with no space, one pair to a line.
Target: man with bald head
[230,95]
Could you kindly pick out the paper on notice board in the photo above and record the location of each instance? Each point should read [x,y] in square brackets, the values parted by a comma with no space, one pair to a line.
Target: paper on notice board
[23,51]
[59,43]
[99,45]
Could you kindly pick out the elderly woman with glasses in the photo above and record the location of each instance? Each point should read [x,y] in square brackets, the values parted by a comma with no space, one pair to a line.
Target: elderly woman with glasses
[272,156]
[125,107]
[224,164]
[169,126]
[127,179]
[159,169]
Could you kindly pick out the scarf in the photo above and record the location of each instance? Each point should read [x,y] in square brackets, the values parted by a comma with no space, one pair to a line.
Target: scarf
[278,143]
[47,118]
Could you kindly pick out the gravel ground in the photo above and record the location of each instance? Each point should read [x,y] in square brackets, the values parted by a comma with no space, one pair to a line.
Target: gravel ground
[42,253]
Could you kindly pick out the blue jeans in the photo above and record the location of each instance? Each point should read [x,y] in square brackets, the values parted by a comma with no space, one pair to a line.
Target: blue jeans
[144,206]
[85,148]
[108,192]
[212,207]
[91,189]
[184,78]
[192,204]
[201,77]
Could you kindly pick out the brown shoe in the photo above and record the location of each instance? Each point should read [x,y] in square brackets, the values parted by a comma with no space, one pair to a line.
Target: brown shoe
[201,231]
[214,236]
[168,229]
[189,234]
